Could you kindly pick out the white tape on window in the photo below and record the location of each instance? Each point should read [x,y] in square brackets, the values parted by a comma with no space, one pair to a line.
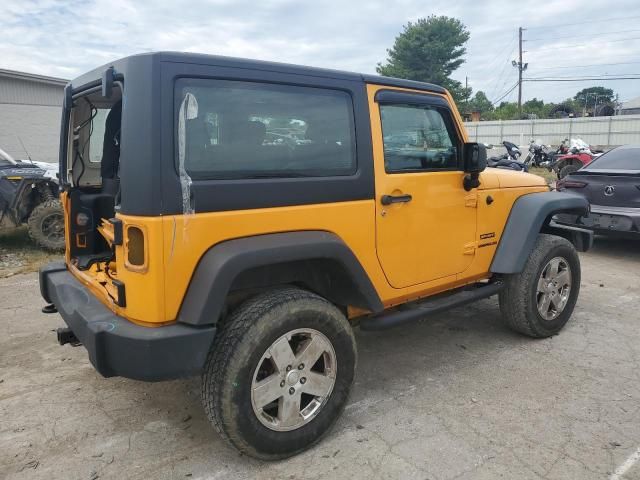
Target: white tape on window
[188,111]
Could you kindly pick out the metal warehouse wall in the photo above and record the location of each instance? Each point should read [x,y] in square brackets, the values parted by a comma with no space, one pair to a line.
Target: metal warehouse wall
[601,131]
[25,92]
[37,126]
[30,112]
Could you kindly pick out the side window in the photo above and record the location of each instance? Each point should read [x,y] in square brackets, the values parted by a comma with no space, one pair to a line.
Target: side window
[417,138]
[236,130]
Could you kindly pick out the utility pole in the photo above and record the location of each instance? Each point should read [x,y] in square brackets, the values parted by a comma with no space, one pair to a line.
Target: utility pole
[520,73]
[521,68]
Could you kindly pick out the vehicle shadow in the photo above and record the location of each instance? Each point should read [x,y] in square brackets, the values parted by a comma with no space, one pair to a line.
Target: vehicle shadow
[391,363]
[616,248]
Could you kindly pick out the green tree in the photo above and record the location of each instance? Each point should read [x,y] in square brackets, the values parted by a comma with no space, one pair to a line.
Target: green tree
[429,50]
[480,103]
[605,95]
[535,107]
[504,111]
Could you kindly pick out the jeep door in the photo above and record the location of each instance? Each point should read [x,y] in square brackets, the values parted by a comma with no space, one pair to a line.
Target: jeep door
[425,220]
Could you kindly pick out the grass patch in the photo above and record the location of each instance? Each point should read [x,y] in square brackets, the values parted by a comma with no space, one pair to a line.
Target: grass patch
[550,177]
[18,253]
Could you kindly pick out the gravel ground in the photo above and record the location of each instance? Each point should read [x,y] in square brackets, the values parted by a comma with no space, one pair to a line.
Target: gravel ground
[456,396]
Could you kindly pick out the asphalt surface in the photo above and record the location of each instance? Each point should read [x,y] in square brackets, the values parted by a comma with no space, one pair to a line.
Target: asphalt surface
[455,396]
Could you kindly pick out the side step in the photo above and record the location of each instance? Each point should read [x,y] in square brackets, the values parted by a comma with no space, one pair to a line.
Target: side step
[422,308]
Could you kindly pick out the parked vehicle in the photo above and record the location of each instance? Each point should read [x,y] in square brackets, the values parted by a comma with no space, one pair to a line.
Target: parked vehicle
[509,160]
[541,156]
[611,183]
[579,154]
[201,249]
[29,195]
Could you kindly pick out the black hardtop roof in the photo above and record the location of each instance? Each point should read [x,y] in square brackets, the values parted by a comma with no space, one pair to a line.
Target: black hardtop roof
[222,61]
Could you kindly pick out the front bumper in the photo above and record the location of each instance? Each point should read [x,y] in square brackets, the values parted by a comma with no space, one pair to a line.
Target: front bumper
[118,347]
[606,219]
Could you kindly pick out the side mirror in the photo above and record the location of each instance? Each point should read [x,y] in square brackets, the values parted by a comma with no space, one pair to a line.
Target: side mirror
[475,161]
[475,157]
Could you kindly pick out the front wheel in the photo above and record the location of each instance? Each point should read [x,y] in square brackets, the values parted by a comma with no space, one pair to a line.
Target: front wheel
[46,225]
[568,170]
[539,301]
[279,373]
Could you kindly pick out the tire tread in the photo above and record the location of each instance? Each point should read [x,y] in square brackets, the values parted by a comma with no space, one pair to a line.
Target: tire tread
[514,302]
[230,334]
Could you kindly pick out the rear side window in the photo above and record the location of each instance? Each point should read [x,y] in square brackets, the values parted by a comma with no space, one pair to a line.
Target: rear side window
[236,130]
[617,159]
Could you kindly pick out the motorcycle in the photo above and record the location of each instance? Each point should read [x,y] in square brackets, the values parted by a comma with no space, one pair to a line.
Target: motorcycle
[543,156]
[509,160]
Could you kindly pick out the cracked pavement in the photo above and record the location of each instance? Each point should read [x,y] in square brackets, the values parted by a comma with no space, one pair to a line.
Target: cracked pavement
[454,396]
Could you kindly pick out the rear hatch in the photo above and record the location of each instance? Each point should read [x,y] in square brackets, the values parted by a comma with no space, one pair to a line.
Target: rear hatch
[606,188]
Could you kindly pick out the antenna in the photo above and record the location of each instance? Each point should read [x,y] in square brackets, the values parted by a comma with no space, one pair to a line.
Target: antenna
[25,149]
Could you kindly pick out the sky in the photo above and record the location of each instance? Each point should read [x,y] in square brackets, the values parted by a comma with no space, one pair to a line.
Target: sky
[563,38]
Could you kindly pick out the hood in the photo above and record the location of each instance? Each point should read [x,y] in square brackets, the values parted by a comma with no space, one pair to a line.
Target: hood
[50,169]
[512,178]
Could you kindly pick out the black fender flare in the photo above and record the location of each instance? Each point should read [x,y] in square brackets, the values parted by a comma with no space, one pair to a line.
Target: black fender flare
[318,256]
[530,215]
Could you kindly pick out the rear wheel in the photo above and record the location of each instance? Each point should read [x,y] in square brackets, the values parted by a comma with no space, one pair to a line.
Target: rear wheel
[567,170]
[539,301]
[279,373]
[46,225]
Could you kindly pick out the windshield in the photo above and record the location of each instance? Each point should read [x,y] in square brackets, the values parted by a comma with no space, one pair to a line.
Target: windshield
[621,158]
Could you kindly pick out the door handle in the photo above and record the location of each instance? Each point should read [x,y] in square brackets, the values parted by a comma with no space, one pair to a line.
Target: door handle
[389,199]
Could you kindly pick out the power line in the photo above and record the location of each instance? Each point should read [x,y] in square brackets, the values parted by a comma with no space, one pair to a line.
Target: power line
[497,87]
[506,93]
[565,25]
[580,45]
[489,64]
[574,35]
[587,66]
[593,76]
[579,79]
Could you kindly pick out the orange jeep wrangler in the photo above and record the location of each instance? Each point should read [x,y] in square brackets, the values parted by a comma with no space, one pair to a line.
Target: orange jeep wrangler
[237,219]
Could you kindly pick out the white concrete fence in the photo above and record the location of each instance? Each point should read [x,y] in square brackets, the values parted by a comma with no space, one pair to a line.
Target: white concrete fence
[600,131]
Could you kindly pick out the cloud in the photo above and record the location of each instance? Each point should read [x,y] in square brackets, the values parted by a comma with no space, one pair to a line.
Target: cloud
[66,38]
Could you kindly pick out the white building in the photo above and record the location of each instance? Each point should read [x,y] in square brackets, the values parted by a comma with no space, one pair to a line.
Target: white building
[30,110]
[630,107]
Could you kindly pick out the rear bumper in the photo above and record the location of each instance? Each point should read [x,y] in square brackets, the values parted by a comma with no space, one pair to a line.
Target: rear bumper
[118,347]
[606,219]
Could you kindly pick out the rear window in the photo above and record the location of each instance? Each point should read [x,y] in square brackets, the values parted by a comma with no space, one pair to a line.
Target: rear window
[617,159]
[231,129]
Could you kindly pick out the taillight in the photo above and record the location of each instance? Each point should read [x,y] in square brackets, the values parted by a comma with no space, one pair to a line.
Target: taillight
[135,247]
[562,184]
[82,219]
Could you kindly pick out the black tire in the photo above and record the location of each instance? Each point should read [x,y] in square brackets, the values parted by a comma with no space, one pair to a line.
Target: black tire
[238,349]
[519,298]
[568,170]
[46,225]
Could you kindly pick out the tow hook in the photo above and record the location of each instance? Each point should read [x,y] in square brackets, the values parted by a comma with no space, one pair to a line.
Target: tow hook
[65,335]
[50,308]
